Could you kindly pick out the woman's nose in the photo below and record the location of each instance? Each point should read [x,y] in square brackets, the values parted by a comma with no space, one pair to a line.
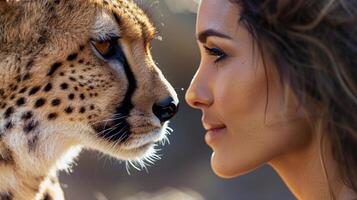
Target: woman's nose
[198,94]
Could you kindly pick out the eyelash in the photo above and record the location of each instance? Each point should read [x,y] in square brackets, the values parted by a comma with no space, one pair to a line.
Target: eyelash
[217,52]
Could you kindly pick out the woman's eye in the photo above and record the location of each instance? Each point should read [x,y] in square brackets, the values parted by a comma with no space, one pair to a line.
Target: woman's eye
[216,52]
[106,48]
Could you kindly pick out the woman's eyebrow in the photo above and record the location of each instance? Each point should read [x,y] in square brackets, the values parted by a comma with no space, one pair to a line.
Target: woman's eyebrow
[202,36]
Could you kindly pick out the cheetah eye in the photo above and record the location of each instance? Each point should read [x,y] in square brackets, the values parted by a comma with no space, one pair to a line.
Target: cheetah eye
[106,48]
[101,46]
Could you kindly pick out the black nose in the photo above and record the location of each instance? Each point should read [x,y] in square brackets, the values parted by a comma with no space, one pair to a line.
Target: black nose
[165,109]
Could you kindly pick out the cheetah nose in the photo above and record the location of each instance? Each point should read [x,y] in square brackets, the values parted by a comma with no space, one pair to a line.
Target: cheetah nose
[165,109]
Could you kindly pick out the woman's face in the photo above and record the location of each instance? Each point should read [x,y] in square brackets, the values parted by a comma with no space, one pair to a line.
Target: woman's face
[249,118]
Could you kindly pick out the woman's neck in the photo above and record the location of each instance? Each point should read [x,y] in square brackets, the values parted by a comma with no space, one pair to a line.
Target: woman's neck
[311,173]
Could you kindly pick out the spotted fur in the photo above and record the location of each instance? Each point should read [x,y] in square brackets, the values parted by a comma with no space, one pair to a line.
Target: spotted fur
[58,95]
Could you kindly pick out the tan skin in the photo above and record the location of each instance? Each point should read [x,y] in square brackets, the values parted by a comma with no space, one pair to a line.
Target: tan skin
[245,127]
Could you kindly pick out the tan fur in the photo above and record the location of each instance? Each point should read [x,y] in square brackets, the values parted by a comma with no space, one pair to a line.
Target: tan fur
[48,114]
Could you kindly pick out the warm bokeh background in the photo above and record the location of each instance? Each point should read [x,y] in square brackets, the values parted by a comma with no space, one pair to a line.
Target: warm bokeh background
[184,172]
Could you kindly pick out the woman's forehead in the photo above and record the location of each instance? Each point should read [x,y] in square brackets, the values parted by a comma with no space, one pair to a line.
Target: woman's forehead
[219,15]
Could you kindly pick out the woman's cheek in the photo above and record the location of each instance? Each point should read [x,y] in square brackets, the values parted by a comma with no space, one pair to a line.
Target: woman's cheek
[238,97]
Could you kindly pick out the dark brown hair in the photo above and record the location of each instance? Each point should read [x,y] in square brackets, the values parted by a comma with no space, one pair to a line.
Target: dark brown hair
[314,46]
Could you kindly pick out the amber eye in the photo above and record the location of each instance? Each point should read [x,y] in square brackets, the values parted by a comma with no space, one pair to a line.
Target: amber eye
[106,48]
[101,46]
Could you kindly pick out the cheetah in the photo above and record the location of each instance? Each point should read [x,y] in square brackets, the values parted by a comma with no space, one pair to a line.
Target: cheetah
[75,74]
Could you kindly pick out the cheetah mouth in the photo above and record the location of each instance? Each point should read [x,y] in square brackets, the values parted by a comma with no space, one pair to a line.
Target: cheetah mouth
[144,139]
[113,130]
[136,138]
[131,138]
[139,149]
[136,143]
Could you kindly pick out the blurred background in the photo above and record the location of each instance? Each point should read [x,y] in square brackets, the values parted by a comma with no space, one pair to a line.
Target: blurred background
[184,171]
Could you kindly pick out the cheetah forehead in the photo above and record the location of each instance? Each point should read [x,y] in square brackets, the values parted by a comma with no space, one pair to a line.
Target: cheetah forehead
[38,22]
[132,19]
[105,26]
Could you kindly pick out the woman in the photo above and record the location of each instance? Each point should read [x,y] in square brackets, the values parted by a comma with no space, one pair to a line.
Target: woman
[277,85]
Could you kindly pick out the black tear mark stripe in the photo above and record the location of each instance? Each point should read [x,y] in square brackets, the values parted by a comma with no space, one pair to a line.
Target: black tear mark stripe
[132,85]
[122,126]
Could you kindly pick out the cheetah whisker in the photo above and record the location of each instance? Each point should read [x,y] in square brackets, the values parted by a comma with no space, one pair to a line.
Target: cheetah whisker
[119,140]
[109,129]
[112,128]
[170,130]
[111,119]
[143,163]
[165,139]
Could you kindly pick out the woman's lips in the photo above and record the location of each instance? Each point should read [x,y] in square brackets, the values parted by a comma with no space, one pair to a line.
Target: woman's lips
[214,134]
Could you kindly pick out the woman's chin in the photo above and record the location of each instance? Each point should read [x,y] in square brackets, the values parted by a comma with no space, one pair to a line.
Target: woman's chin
[226,167]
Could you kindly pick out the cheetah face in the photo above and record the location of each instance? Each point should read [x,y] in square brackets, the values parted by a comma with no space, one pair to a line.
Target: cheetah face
[84,77]
[137,116]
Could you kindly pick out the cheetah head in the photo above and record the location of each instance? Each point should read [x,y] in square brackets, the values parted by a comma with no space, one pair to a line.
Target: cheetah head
[80,72]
